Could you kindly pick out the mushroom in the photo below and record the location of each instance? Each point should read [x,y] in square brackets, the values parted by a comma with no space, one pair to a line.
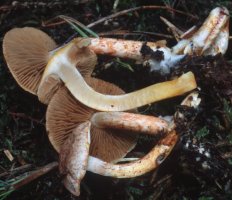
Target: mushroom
[70,162]
[27,52]
[108,130]
[157,153]
[63,64]
[32,48]
[109,139]
[86,60]
[210,39]
[74,160]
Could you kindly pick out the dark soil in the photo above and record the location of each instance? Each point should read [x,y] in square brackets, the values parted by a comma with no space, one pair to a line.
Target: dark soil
[188,173]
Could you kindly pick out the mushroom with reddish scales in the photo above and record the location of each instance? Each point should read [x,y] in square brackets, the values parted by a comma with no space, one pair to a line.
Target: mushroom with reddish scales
[62,63]
[30,49]
[211,38]
[112,133]
[68,118]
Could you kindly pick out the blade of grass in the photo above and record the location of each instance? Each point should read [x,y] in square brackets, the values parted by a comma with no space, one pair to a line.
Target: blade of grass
[123,64]
[5,194]
[5,187]
[76,28]
[74,21]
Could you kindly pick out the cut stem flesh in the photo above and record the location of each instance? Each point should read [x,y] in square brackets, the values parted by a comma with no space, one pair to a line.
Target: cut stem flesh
[63,65]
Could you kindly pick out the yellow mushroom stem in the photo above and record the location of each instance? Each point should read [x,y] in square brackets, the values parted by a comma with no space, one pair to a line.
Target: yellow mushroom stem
[130,121]
[74,157]
[136,168]
[63,64]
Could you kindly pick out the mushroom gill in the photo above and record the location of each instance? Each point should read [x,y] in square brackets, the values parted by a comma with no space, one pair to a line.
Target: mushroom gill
[27,51]
[65,113]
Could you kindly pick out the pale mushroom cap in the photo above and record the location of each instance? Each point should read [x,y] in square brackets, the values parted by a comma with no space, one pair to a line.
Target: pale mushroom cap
[26,51]
[64,113]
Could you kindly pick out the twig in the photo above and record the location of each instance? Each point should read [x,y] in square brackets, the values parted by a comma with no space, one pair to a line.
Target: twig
[123,32]
[34,175]
[15,170]
[8,155]
[22,115]
[175,31]
[36,4]
[123,12]
[227,155]
[49,23]
[223,143]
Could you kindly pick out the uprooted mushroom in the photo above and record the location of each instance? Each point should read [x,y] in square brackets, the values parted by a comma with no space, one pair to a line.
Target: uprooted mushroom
[63,64]
[70,126]
[28,70]
[210,39]
[28,50]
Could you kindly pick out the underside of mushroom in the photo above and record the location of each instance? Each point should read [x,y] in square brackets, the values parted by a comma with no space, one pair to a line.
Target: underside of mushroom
[132,169]
[27,51]
[64,113]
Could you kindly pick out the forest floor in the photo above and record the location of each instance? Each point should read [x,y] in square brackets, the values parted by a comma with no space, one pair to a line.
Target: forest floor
[22,117]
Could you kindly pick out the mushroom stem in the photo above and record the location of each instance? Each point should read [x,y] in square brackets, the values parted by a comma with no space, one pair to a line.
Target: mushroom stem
[211,38]
[142,52]
[129,121]
[149,162]
[73,161]
[63,64]
[122,48]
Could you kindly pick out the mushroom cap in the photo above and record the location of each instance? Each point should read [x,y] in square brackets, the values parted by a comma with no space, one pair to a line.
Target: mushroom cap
[26,51]
[85,61]
[64,113]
